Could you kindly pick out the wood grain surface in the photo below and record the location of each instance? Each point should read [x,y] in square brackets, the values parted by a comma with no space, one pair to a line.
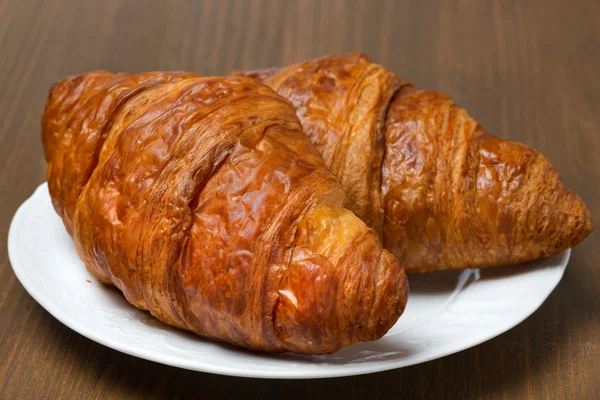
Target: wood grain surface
[527,70]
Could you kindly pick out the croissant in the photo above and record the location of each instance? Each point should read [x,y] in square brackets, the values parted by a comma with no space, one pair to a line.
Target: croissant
[205,204]
[440,191]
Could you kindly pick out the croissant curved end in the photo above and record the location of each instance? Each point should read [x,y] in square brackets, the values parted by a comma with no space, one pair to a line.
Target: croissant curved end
[368,294]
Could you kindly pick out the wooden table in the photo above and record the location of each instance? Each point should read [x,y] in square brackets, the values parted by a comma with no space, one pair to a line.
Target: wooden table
[527,70]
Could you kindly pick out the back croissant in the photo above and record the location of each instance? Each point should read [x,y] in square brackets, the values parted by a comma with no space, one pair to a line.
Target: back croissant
[204,203]
[441,192]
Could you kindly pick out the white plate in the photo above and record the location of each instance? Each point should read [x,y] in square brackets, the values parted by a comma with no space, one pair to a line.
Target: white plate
[447,311]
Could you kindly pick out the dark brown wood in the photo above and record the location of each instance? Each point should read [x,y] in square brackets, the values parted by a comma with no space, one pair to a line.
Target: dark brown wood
[528,70]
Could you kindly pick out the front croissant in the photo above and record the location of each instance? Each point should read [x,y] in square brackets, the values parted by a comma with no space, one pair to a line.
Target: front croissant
[204,203]
[441,192]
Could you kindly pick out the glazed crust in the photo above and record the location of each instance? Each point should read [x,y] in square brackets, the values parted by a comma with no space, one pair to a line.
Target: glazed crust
[205,204]
[452,196]
[341,102]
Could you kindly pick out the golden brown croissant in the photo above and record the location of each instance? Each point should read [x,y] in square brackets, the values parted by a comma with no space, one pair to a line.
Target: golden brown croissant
[441,192]
[204,203]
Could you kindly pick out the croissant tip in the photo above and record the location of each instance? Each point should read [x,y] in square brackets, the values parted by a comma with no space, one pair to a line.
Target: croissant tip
[577,222]
[587,221]
[391,308]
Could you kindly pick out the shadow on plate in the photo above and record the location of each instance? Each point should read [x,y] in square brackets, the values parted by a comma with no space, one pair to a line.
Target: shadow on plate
[446,282]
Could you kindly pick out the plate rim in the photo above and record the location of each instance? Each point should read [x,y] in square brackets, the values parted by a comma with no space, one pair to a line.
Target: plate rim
[320,372]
